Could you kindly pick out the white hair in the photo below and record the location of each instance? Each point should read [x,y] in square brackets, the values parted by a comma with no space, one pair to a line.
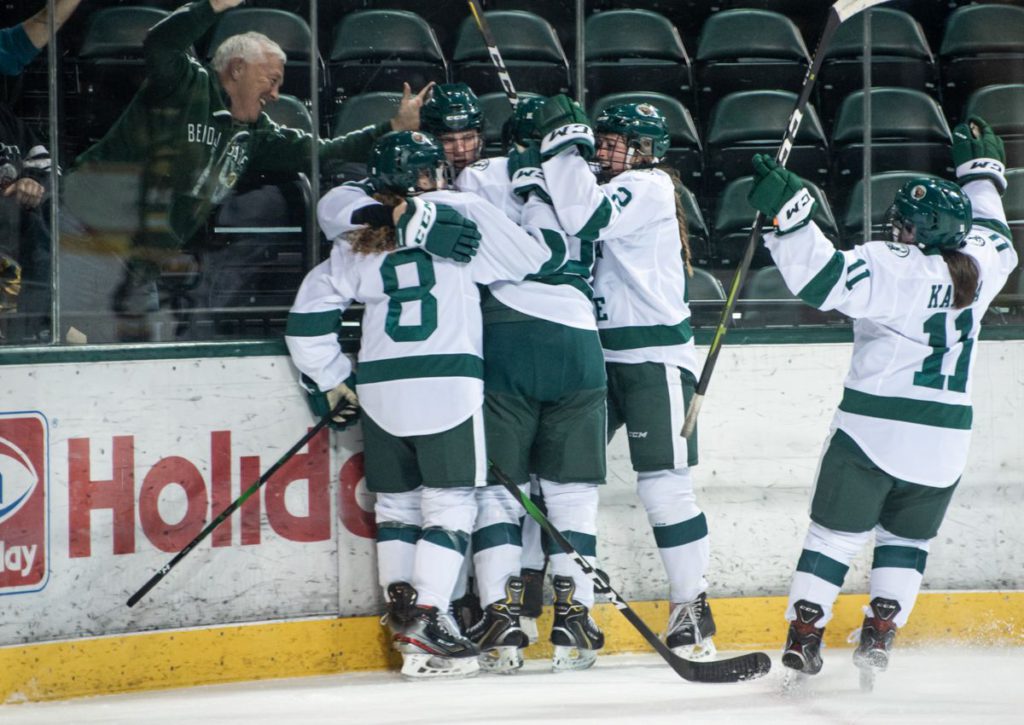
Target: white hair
[250,47]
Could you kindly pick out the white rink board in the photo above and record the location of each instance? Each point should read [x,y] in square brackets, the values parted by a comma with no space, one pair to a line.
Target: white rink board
[173,425]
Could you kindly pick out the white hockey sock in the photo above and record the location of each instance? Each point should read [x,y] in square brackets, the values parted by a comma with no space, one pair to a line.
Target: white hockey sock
[399,525]
[572,509]
[822,567]
[497,541]
[680,530]
[533,550]
[448,515]
[897,570]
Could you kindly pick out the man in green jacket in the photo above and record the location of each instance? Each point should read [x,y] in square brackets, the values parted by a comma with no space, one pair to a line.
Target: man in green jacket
[134,199]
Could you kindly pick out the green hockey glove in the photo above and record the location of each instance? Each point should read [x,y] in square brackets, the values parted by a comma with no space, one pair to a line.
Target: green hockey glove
[323,403]
[525,171]
[438,229]
[978,153]
[780,195]
[563,124]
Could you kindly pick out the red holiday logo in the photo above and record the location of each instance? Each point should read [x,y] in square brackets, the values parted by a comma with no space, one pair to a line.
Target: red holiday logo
[24,509]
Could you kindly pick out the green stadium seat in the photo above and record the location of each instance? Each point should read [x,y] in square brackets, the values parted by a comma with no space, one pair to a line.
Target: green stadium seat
[291,112]
[704,286]
[883,191]
[696,228]
[529,46]
[908,131]
[378,50]
[358,112]
[1002,106]
[630,49]
[1013,204]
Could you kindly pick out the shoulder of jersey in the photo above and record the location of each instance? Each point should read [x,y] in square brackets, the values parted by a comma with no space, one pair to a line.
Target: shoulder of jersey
[480,165]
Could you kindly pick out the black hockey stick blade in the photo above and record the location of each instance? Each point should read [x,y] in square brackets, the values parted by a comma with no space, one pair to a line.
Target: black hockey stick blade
[838,13]
[735,669]
[495,55]
[233,506]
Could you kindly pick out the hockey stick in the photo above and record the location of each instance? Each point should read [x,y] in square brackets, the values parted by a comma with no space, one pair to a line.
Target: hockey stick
[838,13]
[494,53]
[163,571]
[734,669]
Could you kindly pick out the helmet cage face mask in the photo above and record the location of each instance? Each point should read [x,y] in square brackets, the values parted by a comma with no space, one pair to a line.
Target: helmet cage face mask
[460,150]
[932,214]
[452,107]
[400,162]
[644,129]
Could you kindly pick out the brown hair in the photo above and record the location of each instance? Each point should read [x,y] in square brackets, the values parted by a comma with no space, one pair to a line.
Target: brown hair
[684,236]
[965,276]
[375,240]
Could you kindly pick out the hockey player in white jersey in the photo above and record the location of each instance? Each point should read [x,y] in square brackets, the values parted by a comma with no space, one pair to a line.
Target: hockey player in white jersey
[899,440]
[452,114]
[420,369]
[640,293]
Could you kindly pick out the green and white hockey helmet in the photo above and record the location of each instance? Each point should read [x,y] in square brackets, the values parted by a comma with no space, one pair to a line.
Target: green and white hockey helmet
[452,107]
[521,127]
[642,124]
[936,212]
[398,161]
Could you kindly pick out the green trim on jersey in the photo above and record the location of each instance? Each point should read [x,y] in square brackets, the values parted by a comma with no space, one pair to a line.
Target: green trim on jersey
[816,291]
[900,557]
[685,532]
[996,226]
[630,338]
[421,366]
[497,535]
[446,538]
[817,564]
[396,531]
[908,410]
[313,324]
[572,280]
[598,221]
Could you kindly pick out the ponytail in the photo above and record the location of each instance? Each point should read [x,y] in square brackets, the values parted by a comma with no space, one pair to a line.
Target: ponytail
[375,240]
[684,236]
[965,276]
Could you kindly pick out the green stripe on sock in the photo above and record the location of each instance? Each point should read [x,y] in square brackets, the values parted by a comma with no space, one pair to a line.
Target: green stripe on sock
[900,557]
[585,544]
[454,540]
[819,565]
[685,532]
[391,531]
[497,535]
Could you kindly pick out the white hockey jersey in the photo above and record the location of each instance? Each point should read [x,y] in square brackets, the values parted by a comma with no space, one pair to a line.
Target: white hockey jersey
[558,294]
[640,277]
[907,396]
[420,364]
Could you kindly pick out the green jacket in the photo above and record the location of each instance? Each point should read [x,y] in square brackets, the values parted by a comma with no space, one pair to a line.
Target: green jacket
[178,136]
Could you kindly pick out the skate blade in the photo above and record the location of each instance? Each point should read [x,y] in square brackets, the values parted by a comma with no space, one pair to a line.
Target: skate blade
[703,650]
[501,660]
[794,683]
[529,627]
[867,679]
[572,658]
[432,667]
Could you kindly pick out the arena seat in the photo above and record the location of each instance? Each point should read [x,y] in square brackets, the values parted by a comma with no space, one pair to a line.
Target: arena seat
[734,216]
[685,153]
[1002,107]
[908,131]
[900,56]
[288,30]
[630,49]
[883,190]
[750,122]
[981,45]
[744,49]
[529,46]
[378,50]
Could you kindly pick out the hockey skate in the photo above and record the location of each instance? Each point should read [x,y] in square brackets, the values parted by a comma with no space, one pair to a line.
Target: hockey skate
[875,639]
[574,634]
[399,609]
[802,654]
[432,646]
[497,632]
[533,601]
[690,628]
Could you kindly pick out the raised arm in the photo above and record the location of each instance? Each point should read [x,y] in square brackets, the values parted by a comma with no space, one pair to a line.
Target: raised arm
[168,43]
[37,28]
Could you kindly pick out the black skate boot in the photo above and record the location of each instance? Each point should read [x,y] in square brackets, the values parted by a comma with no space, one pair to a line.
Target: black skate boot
[803,644]
[399,608]
[533,601]
[877,634]
[574,633]
[690,628]
[497,632]
[432,646]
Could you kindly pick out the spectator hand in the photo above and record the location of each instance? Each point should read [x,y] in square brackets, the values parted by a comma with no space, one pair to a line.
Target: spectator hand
[780,195]
[220,6]
[340,400]
[563,124]
[525,171]
[27,192]
[978,153]
[408,116]
[438,229]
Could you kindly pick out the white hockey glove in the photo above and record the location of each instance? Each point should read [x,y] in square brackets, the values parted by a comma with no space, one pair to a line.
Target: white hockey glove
[780,195]
[341,400]
[438,229]
[563,124]
[978,153]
